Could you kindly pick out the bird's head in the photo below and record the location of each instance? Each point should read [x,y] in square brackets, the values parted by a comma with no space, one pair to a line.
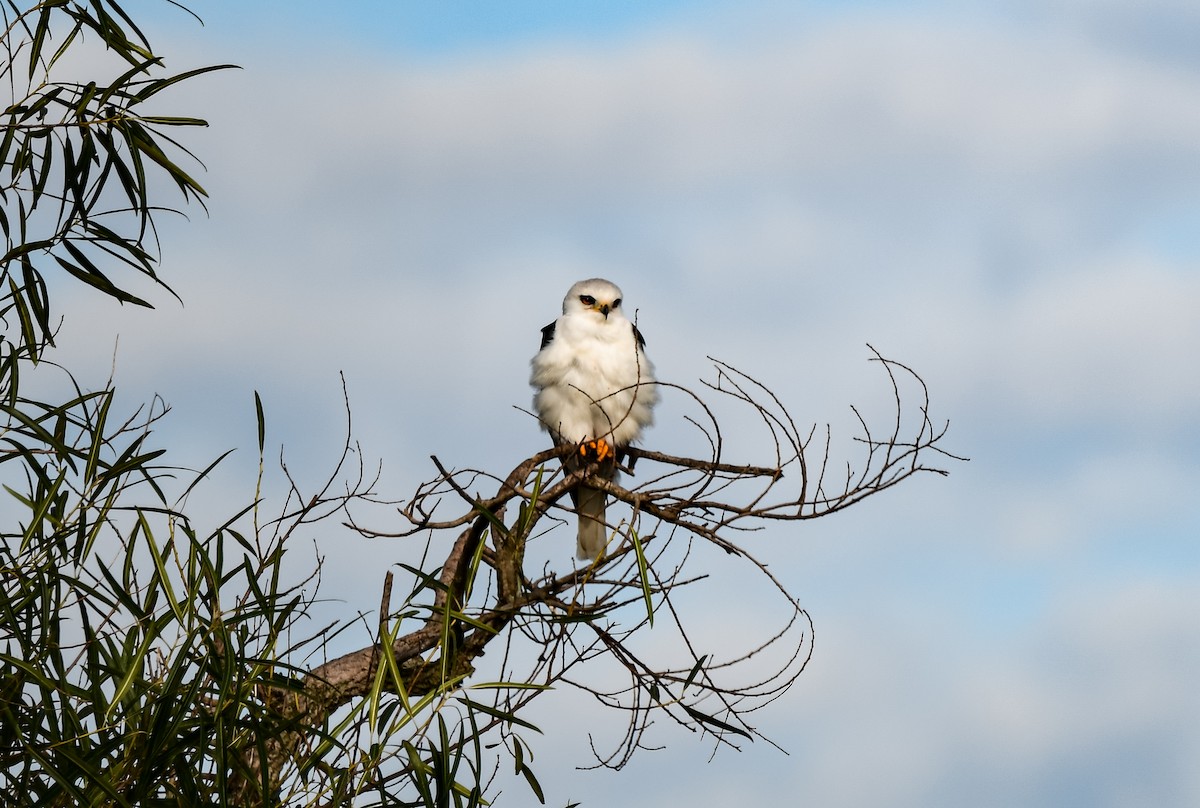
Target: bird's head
[595,294]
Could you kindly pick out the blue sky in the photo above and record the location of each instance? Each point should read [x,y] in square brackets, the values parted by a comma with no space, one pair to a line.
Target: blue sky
[1002,195]
[426,29]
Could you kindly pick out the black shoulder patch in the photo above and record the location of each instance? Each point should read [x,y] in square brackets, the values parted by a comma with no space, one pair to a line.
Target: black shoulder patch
[637,335]
[548,335]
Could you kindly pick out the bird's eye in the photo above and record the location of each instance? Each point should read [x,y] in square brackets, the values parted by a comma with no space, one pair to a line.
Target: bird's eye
[617,303]
[587,300]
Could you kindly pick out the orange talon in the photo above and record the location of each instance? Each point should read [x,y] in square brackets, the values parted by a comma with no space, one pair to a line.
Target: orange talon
[595,450]
[603,450]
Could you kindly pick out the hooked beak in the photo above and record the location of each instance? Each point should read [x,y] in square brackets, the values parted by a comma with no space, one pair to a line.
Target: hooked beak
[604,309]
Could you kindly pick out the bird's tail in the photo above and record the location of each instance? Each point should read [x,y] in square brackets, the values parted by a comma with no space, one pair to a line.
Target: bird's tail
[593,531]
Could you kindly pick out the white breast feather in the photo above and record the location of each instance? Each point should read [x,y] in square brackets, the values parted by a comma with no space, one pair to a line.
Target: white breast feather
[594,381]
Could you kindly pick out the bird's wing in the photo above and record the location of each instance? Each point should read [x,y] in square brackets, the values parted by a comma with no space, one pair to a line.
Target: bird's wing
[637,335]
[548,335]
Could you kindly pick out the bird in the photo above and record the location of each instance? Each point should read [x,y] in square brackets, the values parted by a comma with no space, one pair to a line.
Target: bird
[595,389]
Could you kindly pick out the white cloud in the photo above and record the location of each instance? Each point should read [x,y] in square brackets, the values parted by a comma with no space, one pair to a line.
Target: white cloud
[1111,342]
[1116,343]
[866,178]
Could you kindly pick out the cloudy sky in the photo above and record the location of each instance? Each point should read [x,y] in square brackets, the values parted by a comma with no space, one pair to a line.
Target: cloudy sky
[1004,196]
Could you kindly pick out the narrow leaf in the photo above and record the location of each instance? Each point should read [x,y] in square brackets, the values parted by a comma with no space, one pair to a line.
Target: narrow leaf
[643,575]
[262,422]
[709,720]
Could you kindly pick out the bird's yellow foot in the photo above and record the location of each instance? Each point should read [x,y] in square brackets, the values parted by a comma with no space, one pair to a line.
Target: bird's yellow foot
[595,450]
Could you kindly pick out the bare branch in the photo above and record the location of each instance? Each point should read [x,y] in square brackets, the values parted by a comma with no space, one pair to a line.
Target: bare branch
[553,623]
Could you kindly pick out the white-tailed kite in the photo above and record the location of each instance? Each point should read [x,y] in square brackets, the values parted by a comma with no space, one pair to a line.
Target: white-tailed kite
[595,389]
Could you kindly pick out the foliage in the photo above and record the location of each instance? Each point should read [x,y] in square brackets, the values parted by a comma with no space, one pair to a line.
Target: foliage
[79,160]
[145,660]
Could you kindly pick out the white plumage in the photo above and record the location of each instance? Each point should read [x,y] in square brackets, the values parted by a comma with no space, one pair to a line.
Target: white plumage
[595,388]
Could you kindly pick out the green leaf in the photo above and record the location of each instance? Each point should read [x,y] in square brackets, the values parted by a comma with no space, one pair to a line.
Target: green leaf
[643,574]
[203,474]
[160,568]
[42,174]
[507,717]
[98,422]
[67,41]
[699,666]
[89,273]
[39,36]
[44,100]
[34,293]
[709,720]
[41,511]
[128,21]
[29,333]
[510,686]
[262,422]
[534,785]
[155,87]
[135,666]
